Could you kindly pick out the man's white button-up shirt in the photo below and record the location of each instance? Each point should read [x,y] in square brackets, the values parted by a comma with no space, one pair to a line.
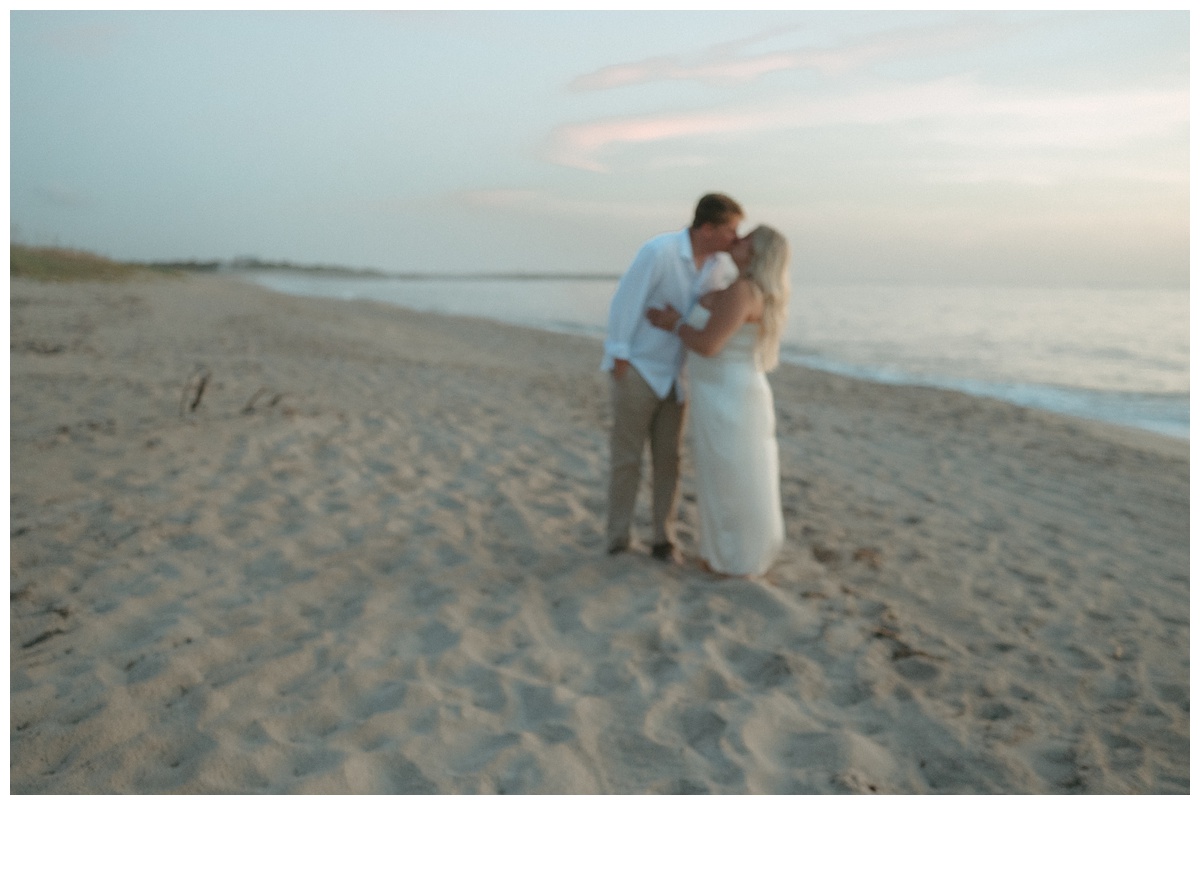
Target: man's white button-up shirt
[663,272]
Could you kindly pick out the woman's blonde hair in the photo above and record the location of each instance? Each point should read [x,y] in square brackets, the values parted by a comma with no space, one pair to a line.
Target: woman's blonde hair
[768,271]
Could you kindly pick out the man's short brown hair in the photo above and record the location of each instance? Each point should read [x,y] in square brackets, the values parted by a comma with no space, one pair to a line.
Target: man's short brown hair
[716,209]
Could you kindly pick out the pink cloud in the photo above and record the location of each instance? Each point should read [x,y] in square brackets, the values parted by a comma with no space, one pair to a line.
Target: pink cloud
[578,145]
[727,63]
[717,70]
[957,110]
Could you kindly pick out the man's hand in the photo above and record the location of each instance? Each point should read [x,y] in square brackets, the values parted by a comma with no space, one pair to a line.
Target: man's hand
[620,367]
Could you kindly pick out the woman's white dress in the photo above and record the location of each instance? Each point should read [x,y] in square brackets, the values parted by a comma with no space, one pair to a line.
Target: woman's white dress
[736,456]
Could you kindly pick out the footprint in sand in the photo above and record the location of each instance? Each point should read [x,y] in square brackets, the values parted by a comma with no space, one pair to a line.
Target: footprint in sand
[522,775]
[994,711]
[436,638]
[309,762]
[1123,753]
[386,698]
[175,762]
[541,714]
[917,669]
[430,597]
[760,669]
[406,778]
[702,729]
[1058,764]
[1175,694]
[480,749]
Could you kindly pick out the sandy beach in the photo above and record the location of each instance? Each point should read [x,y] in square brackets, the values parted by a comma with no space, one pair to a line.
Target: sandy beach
[264,544]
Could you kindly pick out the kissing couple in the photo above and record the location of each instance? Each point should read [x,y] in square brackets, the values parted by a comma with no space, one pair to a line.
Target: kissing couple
[719,300]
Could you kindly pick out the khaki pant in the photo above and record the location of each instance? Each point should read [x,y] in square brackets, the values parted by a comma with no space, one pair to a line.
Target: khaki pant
[638,415]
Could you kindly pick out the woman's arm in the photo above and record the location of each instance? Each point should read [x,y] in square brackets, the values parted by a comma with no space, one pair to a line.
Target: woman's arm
[665,318]
[728,312]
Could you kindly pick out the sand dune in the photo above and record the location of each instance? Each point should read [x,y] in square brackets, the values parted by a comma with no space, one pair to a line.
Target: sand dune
[371,561]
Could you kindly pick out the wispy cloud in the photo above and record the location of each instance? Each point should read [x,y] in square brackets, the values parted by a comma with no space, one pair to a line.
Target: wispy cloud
[580,145]
[952,111]
[733,63]
[717,70]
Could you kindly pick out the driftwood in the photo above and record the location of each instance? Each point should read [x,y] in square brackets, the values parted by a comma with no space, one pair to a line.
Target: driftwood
[197,383]
[900,648]
[193,391]
[48,634]
[274,401]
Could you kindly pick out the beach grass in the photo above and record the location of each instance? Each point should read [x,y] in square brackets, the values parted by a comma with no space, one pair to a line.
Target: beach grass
[52,264]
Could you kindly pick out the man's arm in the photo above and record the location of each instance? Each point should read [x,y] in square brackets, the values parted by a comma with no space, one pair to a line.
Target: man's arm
[628,306]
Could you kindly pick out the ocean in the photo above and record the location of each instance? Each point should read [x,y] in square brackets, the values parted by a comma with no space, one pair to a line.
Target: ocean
[1115,355]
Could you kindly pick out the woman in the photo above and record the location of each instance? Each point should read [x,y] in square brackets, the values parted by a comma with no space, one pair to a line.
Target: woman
[734,336]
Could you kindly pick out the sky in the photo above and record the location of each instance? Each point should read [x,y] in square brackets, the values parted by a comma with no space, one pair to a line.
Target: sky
[953,148]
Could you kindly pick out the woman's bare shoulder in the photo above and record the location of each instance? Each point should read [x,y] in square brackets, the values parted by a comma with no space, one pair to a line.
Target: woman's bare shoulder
[751,298]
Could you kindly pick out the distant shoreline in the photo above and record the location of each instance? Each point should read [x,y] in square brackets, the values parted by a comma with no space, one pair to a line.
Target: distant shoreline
[58,263]
[240,265]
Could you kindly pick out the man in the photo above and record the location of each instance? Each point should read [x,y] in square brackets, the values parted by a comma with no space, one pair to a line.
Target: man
[648,400]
